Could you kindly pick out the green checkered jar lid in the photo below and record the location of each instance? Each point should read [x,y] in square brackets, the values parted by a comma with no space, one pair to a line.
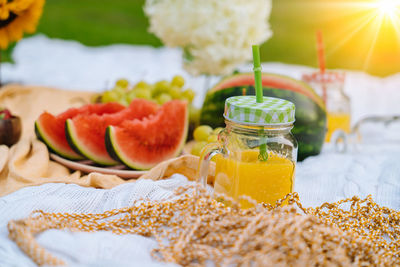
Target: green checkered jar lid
[245,110]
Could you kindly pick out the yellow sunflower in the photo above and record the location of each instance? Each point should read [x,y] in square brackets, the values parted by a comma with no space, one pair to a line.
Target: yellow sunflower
[18,17]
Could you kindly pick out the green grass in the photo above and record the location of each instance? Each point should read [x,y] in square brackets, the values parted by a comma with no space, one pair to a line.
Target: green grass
[99,22]
[294,23]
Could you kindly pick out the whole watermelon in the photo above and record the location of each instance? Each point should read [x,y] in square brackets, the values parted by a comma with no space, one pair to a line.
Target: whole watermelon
[310,126]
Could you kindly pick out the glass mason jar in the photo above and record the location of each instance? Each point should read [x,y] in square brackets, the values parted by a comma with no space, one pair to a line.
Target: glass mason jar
[329,86]
[255,155]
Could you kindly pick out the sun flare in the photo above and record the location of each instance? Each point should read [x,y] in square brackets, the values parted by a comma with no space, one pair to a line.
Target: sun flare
[388,7]
[378,22]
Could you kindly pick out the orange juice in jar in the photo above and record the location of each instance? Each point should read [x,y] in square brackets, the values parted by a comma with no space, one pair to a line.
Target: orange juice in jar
[263,182]
[329,85]
[337,121]
[256,153]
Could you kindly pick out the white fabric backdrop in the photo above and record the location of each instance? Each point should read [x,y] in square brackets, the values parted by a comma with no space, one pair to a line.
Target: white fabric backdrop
[371,169]
[71,65]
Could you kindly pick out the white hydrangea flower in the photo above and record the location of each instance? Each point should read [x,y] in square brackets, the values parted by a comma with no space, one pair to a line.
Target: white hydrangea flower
[216,35]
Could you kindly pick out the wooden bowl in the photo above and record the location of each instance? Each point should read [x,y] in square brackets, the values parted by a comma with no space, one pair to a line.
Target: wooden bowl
[10,131]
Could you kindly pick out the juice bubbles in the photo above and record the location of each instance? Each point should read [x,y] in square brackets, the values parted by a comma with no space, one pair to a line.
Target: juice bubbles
[336,121]
[262,181]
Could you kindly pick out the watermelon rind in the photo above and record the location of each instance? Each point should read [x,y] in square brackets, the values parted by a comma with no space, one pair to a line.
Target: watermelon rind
[76,144]
[113,150]
[306,89]
[111,143]
[115,153]
[41,134]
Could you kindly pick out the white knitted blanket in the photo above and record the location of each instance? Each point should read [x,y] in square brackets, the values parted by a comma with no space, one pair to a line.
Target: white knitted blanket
[374,169]
[328,177]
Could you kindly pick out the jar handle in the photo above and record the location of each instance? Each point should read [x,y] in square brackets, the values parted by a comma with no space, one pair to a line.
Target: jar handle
[207,153]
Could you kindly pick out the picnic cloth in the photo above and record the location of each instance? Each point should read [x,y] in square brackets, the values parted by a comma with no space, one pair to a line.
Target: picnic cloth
[27,163]
[329,177]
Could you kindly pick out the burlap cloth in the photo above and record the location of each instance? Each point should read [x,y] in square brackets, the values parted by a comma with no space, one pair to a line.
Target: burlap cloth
[27,163]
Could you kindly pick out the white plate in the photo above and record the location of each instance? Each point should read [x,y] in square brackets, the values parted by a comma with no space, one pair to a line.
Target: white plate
[88,166]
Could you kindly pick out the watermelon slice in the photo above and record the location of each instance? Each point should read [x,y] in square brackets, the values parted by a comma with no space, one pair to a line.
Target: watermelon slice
[51,129]
[141,144]
[86,133]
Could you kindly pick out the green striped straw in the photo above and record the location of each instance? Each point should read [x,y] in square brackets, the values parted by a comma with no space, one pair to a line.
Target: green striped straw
[263,155]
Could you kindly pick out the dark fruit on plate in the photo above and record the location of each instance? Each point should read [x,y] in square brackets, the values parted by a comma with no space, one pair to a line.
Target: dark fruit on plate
[5,114]
[10,128]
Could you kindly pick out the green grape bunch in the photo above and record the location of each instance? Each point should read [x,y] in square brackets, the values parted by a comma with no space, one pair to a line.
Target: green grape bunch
[204,135]
[160,92]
